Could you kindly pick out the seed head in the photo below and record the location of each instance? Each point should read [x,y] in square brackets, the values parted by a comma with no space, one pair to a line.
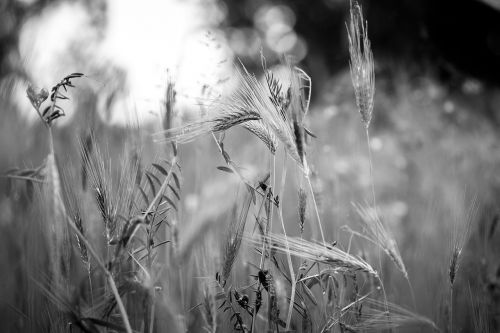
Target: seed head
[302,208]
[361,64]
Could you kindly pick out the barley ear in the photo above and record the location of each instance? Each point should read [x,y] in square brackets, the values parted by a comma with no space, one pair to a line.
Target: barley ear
[361,63]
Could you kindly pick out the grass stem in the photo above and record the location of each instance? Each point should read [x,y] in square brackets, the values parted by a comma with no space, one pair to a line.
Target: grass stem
[316,210]
[288,256]
[451,309]
[371,169]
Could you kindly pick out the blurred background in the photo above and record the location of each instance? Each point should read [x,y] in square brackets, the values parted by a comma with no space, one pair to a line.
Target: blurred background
[435,132]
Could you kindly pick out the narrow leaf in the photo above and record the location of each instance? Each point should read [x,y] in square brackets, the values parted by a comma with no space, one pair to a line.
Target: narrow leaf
[151,184]
[225,169]
[175,192]
[144,196]
[167,199]
[160,168]
[176,179]
[154,177]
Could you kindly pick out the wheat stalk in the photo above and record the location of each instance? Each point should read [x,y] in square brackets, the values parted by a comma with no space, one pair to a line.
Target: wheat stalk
[234,236]
[319,253]
[460,236]
[262,131]
[377,315]
[361,64]
[377,233]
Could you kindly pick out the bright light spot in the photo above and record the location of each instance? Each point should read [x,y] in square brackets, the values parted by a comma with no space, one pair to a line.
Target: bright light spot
[266,16]
[399,209]
[145,39]
[376,143]
[191,202]
[330,111]
[472,87]
[244,42]
[449,107]
[342,166]
[286,42]
[149,37]
[276,24]
[44,44]
[27,2]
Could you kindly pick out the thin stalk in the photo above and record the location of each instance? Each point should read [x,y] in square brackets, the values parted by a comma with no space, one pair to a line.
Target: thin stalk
[288,256]
[149,322]
[90,288]
[123,312]
[371,169]
[273,187]
[181,291]
[23,178]
[152,309]
[412,294]
[316,210]
[367,132]
[262,255]
[51,141]
[451,308]
[272,165]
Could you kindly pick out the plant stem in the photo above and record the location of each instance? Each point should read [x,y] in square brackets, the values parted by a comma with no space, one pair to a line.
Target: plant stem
[152,310]
[367,132]
[412,294]
[90,286]
[316,209]
[269,215]
[451,308]
[121,307]
[288,256]
[371,169]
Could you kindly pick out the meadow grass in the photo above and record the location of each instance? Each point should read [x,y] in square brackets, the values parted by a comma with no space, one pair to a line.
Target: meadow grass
[123,252]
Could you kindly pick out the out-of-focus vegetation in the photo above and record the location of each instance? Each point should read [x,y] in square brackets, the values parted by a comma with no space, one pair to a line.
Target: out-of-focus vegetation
[434,141]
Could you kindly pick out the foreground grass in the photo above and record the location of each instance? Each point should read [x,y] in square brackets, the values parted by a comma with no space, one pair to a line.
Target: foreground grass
[256,230]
